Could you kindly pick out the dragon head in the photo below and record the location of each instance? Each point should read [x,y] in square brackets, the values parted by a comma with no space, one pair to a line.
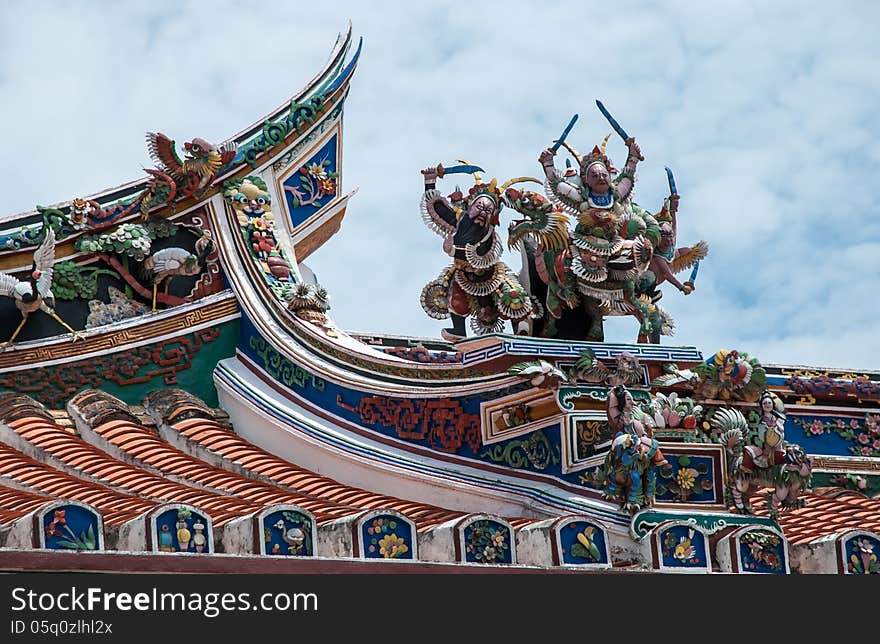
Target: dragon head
[540,219]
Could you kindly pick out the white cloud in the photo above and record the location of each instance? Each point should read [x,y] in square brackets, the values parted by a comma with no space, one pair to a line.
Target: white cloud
[767,115]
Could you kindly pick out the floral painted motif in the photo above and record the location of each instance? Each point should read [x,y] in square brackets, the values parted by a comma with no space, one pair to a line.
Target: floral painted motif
[391,546]
[74,532]
[691,478]
[315,182]
[388,539]
[487,542]
[761,552]
[851,482]
[862,556]
[865,435]
[589,546]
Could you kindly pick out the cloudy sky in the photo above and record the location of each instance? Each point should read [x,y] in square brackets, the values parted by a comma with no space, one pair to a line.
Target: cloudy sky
[766,112]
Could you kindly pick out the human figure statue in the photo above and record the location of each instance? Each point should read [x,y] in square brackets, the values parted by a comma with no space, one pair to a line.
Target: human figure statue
[632,462]
[614,238]
[591,191]
[667,259]
[477,284]
[768,449]
[602,205]
[769,462]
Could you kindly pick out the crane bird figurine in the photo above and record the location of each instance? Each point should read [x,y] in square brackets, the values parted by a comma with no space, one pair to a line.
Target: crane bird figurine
[164,265]
[35,293]
[539,373]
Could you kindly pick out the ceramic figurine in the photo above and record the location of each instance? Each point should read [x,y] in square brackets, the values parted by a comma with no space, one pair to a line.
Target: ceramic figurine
[770,461]
[477,284]
[183,532]
[35,294]
[166,542]
[199,539]
[201,161]
[632,462]
[163,265]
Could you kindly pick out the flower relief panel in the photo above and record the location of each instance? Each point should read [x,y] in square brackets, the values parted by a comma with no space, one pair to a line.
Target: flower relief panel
[285,530]
[840,435]
[309,187]
[484,539]
[859,552]
[691,477]
[180,528]
[753,549]
[581,542]
[680,546]
[385,534]
[68,525]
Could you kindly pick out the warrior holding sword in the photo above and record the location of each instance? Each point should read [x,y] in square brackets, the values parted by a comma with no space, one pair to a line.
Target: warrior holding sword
[477,284]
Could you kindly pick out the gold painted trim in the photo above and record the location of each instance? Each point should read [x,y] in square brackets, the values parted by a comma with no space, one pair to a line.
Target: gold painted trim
[867,465]
[60,348]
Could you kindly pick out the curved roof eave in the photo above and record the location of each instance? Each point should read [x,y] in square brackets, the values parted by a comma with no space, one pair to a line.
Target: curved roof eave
[328,80]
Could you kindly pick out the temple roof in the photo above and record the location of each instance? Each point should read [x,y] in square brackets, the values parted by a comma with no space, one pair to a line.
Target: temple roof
[828,511]
[127,461]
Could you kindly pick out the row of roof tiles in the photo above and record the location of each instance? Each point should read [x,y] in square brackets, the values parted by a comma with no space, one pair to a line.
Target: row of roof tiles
[15,504]
[132,469]
[115,507]
[827,511]
[130,462]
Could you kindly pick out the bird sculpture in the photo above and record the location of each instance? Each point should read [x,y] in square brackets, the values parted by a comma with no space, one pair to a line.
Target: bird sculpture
[199,167]
[672,375]
[164,265]
[684,550]
[35,293]
[539,373]
[294,538]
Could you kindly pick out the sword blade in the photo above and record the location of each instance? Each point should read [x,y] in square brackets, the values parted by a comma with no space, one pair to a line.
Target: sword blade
[693,277]
[458,169]
[565,132]
[612,120]
[669,176]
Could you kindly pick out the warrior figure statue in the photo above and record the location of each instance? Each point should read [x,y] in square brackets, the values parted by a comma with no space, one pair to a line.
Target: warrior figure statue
[631,464]
[477,284]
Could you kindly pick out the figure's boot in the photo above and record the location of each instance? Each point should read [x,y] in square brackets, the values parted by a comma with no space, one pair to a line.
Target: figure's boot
[634,498]
[457,332]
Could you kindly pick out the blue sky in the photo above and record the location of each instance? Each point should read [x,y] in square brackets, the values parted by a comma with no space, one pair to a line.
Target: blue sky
[766,114]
